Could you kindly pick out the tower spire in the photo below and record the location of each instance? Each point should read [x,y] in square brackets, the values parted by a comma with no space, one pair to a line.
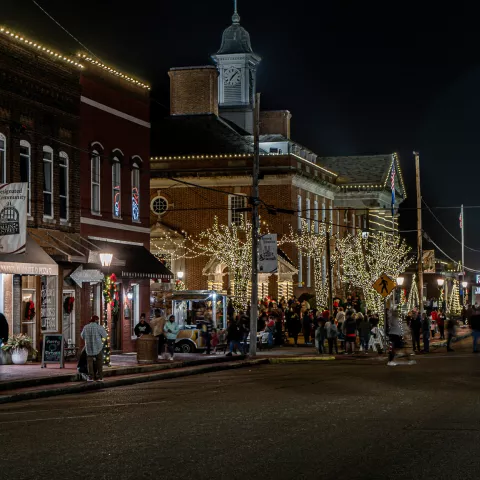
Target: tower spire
[236,16]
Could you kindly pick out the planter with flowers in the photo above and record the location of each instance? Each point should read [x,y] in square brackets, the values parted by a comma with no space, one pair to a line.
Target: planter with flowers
[19,345]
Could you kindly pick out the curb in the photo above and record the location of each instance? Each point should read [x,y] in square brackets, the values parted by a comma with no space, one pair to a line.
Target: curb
[455,340]
[129,380]
[277,360]
[113,372]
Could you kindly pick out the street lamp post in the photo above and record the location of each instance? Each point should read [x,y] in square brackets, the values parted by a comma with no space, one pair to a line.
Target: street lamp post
[465,292]
[400,281]
[106,261]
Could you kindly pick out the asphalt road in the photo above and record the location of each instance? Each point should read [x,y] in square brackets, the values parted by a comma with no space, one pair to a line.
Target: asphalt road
[333,420]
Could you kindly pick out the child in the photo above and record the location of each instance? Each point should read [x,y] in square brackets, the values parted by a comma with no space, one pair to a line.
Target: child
[214,340]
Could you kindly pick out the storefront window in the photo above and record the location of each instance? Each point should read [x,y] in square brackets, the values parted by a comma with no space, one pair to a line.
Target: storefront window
[48,304]
[29,313]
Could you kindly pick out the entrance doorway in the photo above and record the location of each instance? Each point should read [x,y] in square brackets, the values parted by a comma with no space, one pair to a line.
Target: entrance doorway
[29,308]
[68,317]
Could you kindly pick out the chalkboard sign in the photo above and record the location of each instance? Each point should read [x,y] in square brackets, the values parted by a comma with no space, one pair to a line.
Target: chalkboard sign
[52,349]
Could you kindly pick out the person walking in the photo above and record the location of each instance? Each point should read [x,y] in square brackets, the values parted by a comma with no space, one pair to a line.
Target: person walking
[320,335]
[94,334]
[416,328]
[364,332]
[171,332]
[142,328]
[426,333]
[350,331]
[475,326]
[394,336]
[332,334]
[451,326]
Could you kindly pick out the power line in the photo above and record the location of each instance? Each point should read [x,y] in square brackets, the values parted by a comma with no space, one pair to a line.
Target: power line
[443,226]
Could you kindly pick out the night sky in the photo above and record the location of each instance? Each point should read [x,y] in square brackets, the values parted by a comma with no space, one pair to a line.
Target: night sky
[358,77]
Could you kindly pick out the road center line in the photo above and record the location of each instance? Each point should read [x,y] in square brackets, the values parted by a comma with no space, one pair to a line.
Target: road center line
[47,419]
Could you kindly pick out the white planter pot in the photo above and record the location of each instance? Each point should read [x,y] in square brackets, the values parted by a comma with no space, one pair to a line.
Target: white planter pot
[19,356]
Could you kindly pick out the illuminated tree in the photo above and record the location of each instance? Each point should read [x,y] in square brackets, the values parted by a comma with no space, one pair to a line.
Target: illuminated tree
[413,299]
[311,241]
[364,260]
[454,306]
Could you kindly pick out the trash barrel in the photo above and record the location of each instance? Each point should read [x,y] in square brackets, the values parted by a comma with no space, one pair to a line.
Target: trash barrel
[147,349]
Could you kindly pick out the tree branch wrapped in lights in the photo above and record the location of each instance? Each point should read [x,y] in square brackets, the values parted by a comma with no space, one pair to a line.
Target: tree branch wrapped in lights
[311,241]
[231,246]
[364,260]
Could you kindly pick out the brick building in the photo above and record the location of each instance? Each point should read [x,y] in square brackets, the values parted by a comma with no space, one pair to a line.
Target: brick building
[203,163]
[78,133]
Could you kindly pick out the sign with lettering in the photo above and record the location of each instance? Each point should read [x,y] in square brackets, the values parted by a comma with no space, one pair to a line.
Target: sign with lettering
[13,217]
[52,349]
[267,254]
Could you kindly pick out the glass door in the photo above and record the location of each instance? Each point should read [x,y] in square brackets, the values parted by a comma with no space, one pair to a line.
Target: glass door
[29,308]
[68,317]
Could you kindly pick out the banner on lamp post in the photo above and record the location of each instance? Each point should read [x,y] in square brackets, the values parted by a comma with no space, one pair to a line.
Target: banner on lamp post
[13,217]
[267,253]
[429,261]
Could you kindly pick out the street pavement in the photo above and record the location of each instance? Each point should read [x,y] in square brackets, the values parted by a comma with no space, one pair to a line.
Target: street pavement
[345,419]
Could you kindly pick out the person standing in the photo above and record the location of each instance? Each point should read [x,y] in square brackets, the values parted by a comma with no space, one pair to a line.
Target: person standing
[394,336]
[3,329]
[332,334]
[296,326]
[364,332]
[441,324]
[451,324]
[475,326]
[270,329]
[158,325]
[426,333]
[350,331]
[233,338]
[94,334]
[416,328]
[307,327]
[142,328]
[171,332]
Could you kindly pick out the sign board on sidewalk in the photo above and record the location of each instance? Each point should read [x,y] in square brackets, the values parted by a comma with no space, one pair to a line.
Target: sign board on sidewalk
[13,217]
[267,254]
[384,285]
[52,349]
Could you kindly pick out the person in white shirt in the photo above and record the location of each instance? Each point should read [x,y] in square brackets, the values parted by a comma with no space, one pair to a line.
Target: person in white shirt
[94,335]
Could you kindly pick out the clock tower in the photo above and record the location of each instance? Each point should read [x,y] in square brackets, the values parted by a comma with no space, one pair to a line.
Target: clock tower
[237,65]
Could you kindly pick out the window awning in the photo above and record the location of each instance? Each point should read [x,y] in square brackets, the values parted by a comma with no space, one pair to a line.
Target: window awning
[35,261]
[138,262]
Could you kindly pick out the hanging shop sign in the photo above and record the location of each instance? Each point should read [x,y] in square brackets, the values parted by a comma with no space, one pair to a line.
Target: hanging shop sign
[80,276]
[13,217]
[429,261]
[267,254]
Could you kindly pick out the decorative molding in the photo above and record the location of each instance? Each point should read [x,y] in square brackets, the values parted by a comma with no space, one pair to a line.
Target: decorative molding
[115,112]
[118,226]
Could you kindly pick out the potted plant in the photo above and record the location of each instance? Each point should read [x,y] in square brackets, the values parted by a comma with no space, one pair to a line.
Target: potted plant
[19,345]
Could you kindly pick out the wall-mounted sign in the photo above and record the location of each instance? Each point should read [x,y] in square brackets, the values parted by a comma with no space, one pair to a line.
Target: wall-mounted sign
[13,217]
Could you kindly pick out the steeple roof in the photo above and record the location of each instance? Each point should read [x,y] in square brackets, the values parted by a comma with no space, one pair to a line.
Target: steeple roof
[235,38]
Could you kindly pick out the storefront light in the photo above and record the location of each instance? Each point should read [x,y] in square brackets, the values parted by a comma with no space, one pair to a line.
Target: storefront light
[440,282]
[464,284]
[179,275]
[400,281]
[130,294]
[106,259]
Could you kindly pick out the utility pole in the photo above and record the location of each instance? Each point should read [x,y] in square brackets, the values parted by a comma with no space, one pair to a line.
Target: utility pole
[255,227]
[462,224]
[419,231]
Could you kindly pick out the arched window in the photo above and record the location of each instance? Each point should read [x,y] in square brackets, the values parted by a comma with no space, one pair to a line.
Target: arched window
[26,171]
[135,193]
[116,189]
[3,158]
[63,186]
[95,181]
[47,181]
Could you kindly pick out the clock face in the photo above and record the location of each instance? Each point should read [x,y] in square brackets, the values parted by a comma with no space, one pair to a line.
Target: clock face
[231,76]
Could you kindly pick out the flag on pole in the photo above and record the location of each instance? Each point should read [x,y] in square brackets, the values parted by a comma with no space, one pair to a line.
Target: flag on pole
[392,178]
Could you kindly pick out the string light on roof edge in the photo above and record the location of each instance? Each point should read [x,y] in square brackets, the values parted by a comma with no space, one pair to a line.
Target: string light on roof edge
[39,47]
[113,71]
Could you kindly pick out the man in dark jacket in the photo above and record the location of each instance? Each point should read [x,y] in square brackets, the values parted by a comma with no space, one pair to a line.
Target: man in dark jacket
[3,329]
[233,338]
[142,328]
[475,326]
[416,327]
